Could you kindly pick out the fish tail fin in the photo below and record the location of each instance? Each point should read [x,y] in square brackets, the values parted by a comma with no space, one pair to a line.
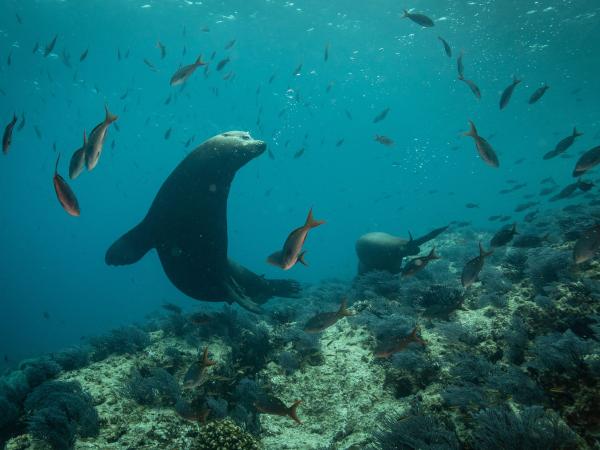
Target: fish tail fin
[576,133]
[301,259]
[293,413]
[199,61]
[482,252]
[433,254]
[311,222]
[56,165]
[461,77]
[410,237]
[404,13]
[110,117]
[472,131]
[414,336]
[130,247]
[516,79]
[343,311]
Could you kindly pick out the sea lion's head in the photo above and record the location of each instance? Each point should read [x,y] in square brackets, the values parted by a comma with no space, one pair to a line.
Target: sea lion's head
[236,147]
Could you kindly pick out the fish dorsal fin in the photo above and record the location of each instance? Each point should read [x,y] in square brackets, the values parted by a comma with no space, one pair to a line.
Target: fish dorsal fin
[410,237]
[292,411]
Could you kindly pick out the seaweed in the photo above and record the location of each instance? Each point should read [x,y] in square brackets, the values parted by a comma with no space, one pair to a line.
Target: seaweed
[533,428]
[9,413]
[58,411]
[439,301]
[471,369]
[124,340]
[517,340]
[72,358]
[288,362]
[465,397]
[38,370]
[154,387]
[546,265]
[415,432]
[560,354]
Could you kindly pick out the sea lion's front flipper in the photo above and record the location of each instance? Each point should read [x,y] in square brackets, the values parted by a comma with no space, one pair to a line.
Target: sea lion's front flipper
[130,247]
[284,288]
[236,293]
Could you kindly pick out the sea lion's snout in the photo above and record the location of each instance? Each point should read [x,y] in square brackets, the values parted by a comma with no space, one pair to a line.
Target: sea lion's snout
[259,147]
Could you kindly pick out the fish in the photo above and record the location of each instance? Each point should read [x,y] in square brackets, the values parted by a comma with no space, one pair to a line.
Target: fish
[493,218]
[584,185]
[230,44]
[196,374]
[397,344]
[182,74]
[523,206]
[188,412]
[587,245]
[382,115]
[587,161]
[162,48]
[503,236]
[65,195]
[474,88]
[419,19]
[484,148]
[65,58]
[538,94]
[563,145]
[530,216]
[271,78]
[36,47]
[77,162]
[9,58]
[171,308]
[21,123]
[566,192]
[299,153]
[50,46]
[384,140]
[473,267]
[7,136]
[326,52]
[297,70]
[38,132]
[415,265]
[168,134]
[530,241]
[471,205]
[507,93]
[339,142]
[84,55]
[118,54]
[18,17]
[270,153]
[447,48]
[96,140]
[272,405]
[222,64]
[348,114]
[167,100]
[150,65]
[460,66]
[322,321]
[292,248]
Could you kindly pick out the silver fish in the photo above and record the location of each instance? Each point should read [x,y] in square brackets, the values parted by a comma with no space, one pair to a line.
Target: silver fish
[484,148]
[96,140]
[77,162]
[182,74]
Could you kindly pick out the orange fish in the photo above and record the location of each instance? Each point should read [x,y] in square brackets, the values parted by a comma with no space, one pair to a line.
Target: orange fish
[292,248]
[65,195]
[397,344]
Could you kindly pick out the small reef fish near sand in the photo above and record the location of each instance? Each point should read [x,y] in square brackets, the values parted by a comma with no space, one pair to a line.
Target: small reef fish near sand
[322,321]
[196,374]
[587,161]
[503,236]
[471,270]
[65,195]
[563,145]
[415,265]
[273,405]
[292,248]
[587,245]
[397,344]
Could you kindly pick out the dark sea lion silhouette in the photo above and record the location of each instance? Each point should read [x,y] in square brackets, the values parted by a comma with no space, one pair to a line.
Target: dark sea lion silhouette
[187,225]
[382,251]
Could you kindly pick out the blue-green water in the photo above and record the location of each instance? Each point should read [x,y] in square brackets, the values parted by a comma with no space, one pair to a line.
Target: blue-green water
[54,263]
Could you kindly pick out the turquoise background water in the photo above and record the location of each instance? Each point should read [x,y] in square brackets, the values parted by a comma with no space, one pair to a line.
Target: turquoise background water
[53,262]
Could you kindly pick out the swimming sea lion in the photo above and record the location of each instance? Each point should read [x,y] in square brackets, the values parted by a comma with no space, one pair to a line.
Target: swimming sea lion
[187,225]
[382,251]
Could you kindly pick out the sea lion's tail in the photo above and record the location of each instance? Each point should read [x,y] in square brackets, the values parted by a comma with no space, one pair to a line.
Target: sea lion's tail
[130,247]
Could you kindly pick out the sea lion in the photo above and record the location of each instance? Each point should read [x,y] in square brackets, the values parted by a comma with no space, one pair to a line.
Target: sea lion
[187,225]
[382,251]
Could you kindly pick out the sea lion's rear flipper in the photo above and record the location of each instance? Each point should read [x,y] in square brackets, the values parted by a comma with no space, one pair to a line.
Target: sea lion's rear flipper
[261,289]
[236,293]
[130,247]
